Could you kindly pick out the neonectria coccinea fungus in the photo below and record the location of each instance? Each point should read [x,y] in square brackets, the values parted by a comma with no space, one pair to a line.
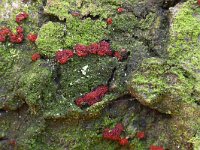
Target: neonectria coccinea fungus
[101,49]
[153,147]
[4,32]
[141,135]
[14,37]
[32,37]
[17,37]
[109,21]
[22,16]
[63,56]
[115,134]
[123,142]
[120,10]
[92,97]
[198,2]
[35,56]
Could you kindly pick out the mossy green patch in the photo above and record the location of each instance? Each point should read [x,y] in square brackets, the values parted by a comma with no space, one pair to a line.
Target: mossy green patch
[156,82]
[9,9]
[31,85]
[100,8]
[11,66]
[50,38]
[79,76]
[84,31]
[124,22]
[176,77]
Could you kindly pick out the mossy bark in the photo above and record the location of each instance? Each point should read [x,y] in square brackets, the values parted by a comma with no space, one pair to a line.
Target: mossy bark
[37,108]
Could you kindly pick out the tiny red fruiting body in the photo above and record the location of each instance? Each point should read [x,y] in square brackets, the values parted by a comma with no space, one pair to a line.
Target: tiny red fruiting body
[104,49]
[93,48]
[123,142]
[2,38]
[16,38]
[35,57]
[118,55]
[81,50]
[12,142]
[141,135]
[120,10]
[3,33]
[118,128]
[110,135]
[32,37]
[198,1]
[109,21]
[20,29]
[113,134]
[22,16]
[121,55]
[92,97]
[63,56]
[153,147]
[101,49]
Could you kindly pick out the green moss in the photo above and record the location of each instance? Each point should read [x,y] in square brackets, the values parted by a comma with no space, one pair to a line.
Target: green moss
[124,23]
[175,77]
[148,21]
[84,31]
[9,9]
[79,76]
[12,62]
[100,8]
[196,141]
[157,81]
[31,85]
[50,38]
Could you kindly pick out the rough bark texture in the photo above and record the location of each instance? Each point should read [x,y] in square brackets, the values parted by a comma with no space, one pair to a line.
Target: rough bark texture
[155,90]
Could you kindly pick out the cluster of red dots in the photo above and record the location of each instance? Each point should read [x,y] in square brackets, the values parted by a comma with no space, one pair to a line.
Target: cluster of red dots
[101,49]
[17,37]
[20,17]
[92,97]
[115,134]
[63,56]
[153,147]
[110,20]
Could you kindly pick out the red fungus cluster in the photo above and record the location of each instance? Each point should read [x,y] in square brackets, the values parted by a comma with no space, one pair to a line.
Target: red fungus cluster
[92,97]
[115,134]
[4,32]
[101,49]
[32,37]
[153,147]
[35,57]
[123,142]
[120,10]
[109,21]
[81,50]
[141,135]
[17,37]
[22,16]
[63,56]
